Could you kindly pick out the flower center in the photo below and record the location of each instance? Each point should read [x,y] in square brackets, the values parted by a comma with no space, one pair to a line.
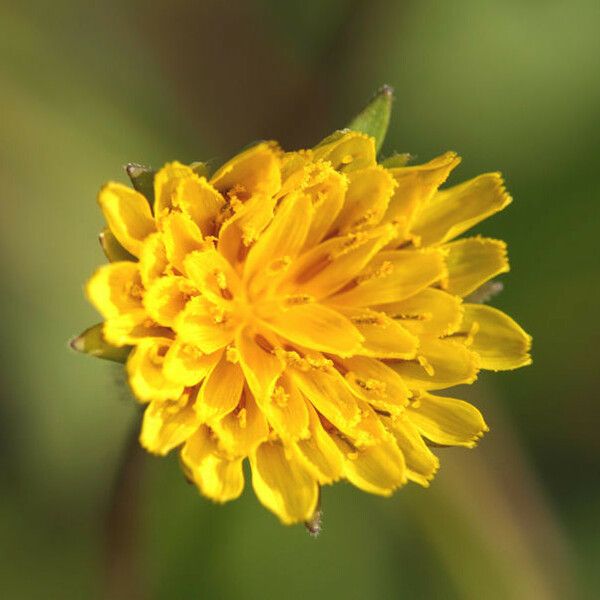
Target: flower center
[254,300]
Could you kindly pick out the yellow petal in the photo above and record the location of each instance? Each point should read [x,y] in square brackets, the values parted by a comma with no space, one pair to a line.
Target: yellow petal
[287,411]
[328,267]
[200,201]
[330,394]
[446,421]
[153,259]
[241,431]
[217,476]
[430,312]
[295,170]
[213,275]
[283,238]
[473,261]
[440,364]
[416,185]
[376,383]
[421,463]
[452,211]
[128,329]
[116,289]
[327,189]
[317,327]
[221,391]
[203,325]
[319,453]
[260,365]
[378,468]
[282,484]
[369,429]
[167,297]
[128,215]
[188,365]
[394,275]
[254,171]
[347,151]
[500,342]
[367,198]
[145,370]
[166,182]
[383,337]
[166,425]
[181,237]
[244,227]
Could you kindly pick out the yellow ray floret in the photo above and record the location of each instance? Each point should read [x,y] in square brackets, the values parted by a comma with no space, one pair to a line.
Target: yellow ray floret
[300,311]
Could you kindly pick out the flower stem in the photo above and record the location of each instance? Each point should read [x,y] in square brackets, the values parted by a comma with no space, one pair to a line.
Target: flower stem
[123,578]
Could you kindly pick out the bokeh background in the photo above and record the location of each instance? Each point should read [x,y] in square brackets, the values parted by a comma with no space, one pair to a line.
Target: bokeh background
[86,87]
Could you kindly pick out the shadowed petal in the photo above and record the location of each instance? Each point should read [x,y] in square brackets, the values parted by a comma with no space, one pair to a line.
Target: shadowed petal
[282,483]
[128,215]
[473,261]
[446,421]
[498,340]
[217,477]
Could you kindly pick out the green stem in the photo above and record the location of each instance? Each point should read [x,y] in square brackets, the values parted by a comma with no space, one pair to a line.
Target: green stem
[123,577]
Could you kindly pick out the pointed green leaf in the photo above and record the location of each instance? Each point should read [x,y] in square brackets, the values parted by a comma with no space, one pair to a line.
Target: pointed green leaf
[142,179]
[111,247]
[375,117]
[92,342]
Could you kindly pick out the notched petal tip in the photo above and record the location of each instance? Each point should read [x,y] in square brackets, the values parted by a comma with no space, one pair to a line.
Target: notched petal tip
[453,210]
[501,186]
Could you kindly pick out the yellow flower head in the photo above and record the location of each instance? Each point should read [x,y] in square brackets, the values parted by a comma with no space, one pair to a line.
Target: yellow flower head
[302,309]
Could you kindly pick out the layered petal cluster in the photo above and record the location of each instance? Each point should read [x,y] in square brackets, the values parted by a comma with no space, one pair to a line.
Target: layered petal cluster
[302,310]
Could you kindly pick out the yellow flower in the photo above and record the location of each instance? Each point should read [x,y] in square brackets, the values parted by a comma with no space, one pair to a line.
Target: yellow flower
[302,310]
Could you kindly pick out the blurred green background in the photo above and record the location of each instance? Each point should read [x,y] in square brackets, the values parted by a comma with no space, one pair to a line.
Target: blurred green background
[512,86]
